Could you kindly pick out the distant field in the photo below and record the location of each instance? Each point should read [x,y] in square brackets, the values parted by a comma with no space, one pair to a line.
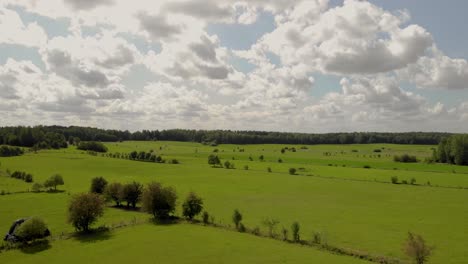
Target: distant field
[352,206]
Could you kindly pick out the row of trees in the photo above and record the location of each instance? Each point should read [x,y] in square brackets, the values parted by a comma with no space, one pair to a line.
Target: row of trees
[7,151]
[58,136]
[21,175]
[453,150]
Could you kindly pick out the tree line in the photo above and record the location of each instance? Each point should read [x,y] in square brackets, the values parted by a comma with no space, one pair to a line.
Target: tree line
[60,136]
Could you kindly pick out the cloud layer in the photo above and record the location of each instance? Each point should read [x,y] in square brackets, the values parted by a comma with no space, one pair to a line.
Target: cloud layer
[146,64]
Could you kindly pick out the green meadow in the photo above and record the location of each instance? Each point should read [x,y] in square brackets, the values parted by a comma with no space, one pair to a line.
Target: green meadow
[332,193]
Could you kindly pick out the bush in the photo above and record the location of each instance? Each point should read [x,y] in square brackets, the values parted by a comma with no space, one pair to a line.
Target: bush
[284,233]
[114,191]
[93,146]
[366,167]
[84,209]
[131,193]
[158,200]
[377,150]
[31,229]
[206,218]
[237,218]
[292,171]
[54,181]
[404,182]
[413,181]
[317,238]
[269,169]
[36,187]
[7,151]
[295,229]
[28,178]
[192,206]
[416,248]
[394,179]
[405,158]
[246,167]
[98,185]
[271,225]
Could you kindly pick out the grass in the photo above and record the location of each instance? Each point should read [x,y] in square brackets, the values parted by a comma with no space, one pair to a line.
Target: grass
[173,244]
[363,215]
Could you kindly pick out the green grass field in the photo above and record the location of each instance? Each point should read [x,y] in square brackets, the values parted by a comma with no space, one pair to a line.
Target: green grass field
[353,207]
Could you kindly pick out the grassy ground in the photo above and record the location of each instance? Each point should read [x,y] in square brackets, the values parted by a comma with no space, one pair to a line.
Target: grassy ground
[173,244]
[353,209]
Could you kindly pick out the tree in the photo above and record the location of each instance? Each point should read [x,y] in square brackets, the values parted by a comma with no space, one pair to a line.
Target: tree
[292,171]
[237,218]
[214,161]
[271,225]
[261,158]
[159,201]
[53,181]
[98,185]
[416,248]
[192,206]
[114,191]
[31,229]
[84,209]
[93,146]
[36,187]
[295,228]
[131,193]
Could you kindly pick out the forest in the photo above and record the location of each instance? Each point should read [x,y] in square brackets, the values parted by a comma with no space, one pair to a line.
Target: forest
[59,136]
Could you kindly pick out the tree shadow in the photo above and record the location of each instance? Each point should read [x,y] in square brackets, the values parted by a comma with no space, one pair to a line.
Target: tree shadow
[35,246]
[126,208]
[93,236]
[172,220]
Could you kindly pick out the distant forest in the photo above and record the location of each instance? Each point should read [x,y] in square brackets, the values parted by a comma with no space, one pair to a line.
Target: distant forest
[59,137]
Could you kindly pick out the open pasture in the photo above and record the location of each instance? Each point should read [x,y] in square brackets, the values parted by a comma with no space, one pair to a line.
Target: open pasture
[352,206]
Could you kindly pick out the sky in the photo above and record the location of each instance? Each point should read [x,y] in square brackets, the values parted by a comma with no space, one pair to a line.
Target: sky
[311,66]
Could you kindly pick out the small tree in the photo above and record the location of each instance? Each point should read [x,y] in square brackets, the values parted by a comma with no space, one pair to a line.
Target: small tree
[271,225]
[98,185]
[31,229]
[192,206]
[36,187]
[158,200]
[131,193]
[284,232]
[53,181]
[295,228]
[206,217]
[214,161]
[84,209]
[292,171]
[237,218]
[416,248]
[114,191]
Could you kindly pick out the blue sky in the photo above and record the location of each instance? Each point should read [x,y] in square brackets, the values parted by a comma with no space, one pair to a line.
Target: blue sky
[310,66]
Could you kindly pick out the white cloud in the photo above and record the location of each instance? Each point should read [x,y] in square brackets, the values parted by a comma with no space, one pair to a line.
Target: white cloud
[14,31]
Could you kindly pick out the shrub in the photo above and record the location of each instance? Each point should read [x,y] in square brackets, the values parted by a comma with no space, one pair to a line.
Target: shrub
[317,238]
[131,193]
[271,225]
[93,146]
[98,185]
[31,229]
[255,231]
[237,218]
[269,169]
[284,233]
[292,171]
[54,181]
[404,182]
[7,151]
[295,229]
[28,178]
[36,187]
[405,158]
[214,161]
[413,181]
[246,167]
[192,206]
[84,209]
[114,191]
[158,200]
[366,166]
[394,179]
[206,218]
[377,150]
[415,247]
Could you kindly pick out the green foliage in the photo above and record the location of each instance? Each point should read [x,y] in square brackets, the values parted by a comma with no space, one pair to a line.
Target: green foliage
[453,150]
[214,161]
[84,209]
[92,146]
[295,230]
[54,181]
[270,223]
[292,171]
[192,206]
[36,187]
[415,247]
[237,218]
[98,185]
[131,193]
[284,233]
[405,158]
[31,229]
[114,192]
[7,151]
[158,200]
[205,217]
[394,179]
[21,175]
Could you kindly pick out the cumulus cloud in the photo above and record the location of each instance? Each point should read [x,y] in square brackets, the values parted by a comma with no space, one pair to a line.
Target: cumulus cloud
[437,71]
[14,31]
[87,4]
